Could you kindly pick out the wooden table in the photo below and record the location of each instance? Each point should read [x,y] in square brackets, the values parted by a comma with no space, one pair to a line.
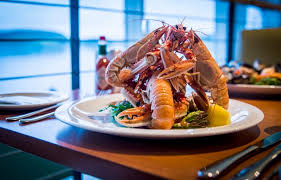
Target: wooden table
[111,157]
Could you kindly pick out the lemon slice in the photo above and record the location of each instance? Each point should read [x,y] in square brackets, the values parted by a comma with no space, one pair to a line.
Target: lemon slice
[218,116]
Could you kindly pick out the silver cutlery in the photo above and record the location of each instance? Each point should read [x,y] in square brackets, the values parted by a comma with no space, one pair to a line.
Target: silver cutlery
[216,169]
[37,118]
[15,118]
[254,171]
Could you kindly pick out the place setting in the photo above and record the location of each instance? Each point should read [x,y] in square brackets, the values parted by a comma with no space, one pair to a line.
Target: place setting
[36,102]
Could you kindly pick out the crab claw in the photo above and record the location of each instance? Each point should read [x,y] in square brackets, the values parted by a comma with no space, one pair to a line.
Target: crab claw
[176,69]
[134,117]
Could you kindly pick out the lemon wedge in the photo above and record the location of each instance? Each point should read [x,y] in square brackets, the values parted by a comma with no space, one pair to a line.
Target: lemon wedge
[218,116]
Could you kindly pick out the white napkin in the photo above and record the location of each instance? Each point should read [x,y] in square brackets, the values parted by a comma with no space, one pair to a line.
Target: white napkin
[21,100]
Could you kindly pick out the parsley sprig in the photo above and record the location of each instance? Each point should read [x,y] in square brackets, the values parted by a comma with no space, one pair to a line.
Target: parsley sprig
[118,107]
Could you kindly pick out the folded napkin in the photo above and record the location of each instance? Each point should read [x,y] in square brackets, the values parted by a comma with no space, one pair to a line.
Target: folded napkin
[21,100]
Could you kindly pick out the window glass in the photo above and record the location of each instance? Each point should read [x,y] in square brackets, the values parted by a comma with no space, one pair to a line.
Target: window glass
[64,2]
[95,23]
[190,8]
[25,21]
[254,18]
[206,27]
[58,83]
[108,4]
[271,19]
[24,58]
[249,17]
[278,2]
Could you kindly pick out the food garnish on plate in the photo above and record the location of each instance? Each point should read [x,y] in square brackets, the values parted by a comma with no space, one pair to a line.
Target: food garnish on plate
[154,78]
[257,74]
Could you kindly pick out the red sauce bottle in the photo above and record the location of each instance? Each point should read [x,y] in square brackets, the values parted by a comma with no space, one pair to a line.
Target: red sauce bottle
[102,87]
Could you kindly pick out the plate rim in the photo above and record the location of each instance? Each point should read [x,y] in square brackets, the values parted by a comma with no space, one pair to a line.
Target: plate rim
[255,86]
[155,133]
[61,97]
[251,89]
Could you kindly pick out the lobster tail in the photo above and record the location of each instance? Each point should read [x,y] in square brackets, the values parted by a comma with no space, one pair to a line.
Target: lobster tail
[162,104]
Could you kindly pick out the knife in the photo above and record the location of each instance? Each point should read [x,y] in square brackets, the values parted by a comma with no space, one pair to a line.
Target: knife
[219,167]
[254,171]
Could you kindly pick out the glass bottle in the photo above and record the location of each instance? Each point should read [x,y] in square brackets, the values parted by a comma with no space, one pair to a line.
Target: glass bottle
[102,87]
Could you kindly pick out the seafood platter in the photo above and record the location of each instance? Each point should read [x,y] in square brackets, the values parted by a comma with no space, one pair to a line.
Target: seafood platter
[154,74]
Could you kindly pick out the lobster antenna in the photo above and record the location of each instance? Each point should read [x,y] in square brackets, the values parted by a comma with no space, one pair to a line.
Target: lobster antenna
[183,20]
[149,19]
[199,31]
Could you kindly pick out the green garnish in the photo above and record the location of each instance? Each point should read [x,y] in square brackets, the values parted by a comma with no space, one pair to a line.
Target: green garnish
[118,107]
[196,119]
[270,81]
[253,80]
[266,81]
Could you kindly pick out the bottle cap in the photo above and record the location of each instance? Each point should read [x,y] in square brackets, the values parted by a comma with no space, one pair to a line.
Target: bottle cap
[102,38]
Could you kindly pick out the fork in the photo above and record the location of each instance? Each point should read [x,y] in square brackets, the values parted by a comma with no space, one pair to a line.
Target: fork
[15,118]
[37,118]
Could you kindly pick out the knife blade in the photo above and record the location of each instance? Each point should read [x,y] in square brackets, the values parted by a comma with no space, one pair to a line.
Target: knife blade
[218,168]
[254,171]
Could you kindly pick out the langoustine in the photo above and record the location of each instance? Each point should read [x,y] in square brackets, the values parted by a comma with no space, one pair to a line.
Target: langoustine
[163,76]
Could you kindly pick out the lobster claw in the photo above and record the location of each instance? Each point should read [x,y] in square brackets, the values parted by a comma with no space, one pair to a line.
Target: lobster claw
[201,102]
[174,66]
[134,117]
[176,69]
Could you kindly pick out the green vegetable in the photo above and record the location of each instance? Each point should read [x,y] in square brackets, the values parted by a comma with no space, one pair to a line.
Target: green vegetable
[253,80]
[196,119]
[118,107]
[259,83]
[268,81]
[178,126]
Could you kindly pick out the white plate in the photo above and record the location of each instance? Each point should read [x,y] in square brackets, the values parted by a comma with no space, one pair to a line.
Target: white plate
[30,100]
[254,89]
[84,114]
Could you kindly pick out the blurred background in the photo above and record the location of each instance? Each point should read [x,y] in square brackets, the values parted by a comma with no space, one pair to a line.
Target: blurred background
[52,45]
